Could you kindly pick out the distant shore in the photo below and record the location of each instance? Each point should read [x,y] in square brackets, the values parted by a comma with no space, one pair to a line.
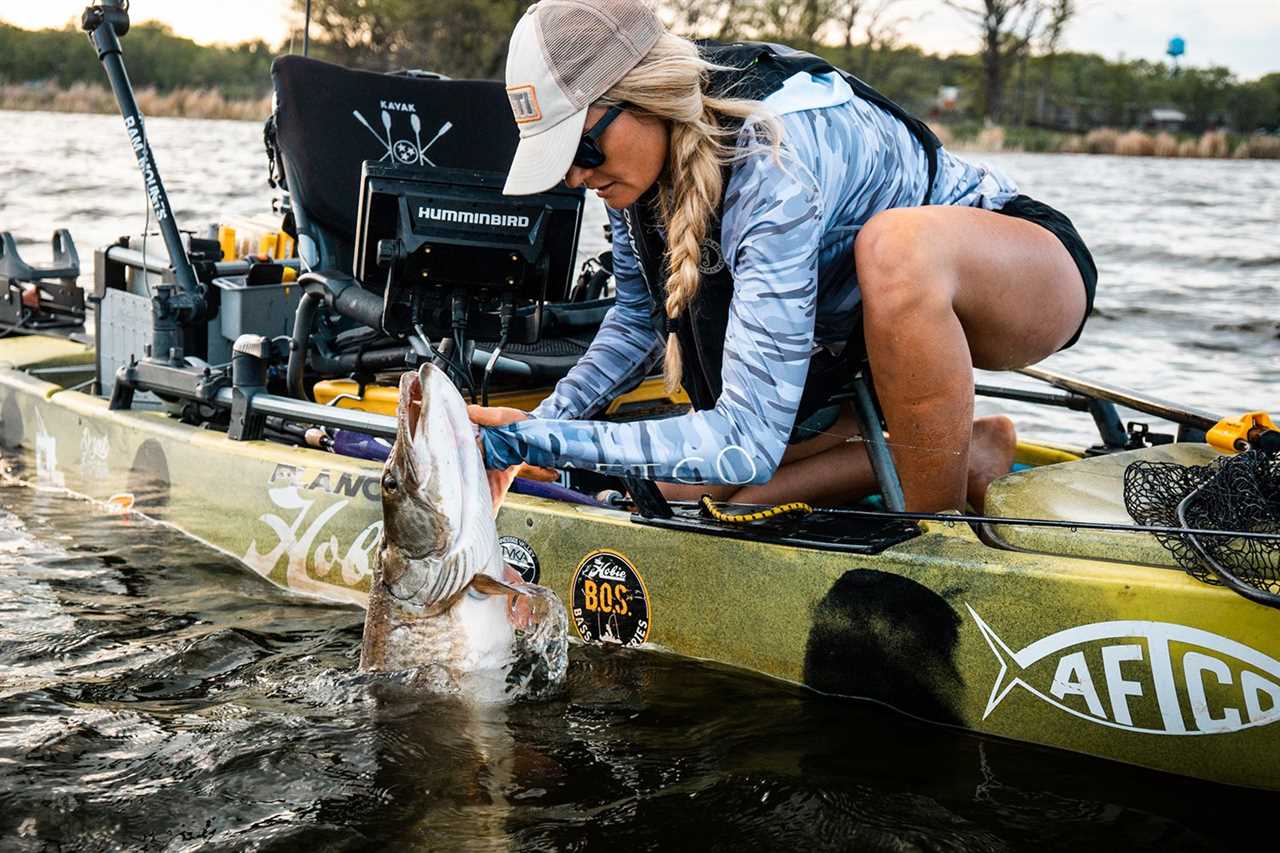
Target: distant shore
[93,98]
[1213,144]
[211,104]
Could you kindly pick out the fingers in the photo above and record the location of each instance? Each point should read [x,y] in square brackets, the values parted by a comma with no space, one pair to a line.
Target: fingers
[494,416]
[499,484]
[535,472]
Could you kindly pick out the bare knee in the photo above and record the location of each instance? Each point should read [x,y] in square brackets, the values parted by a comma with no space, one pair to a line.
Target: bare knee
[902,272]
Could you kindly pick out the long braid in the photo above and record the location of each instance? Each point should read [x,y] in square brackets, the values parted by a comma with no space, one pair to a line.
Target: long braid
[690,194]
[669,83]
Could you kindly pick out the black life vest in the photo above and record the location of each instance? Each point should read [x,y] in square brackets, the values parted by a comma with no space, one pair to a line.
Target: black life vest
[758,70]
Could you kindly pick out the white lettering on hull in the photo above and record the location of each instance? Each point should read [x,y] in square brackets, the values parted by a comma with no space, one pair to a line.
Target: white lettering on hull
[1156,678]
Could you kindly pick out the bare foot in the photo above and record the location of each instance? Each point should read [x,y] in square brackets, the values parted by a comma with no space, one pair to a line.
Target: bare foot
[990,456]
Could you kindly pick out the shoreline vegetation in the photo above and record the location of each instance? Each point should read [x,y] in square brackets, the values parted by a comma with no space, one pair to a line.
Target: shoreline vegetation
[1211,144]
[210,103]
[182,102]
[1020,90]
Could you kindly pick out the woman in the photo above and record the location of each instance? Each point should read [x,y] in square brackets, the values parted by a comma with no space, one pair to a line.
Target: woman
[758,198]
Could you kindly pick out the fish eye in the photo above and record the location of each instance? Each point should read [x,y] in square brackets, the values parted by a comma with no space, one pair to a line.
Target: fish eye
[389,482]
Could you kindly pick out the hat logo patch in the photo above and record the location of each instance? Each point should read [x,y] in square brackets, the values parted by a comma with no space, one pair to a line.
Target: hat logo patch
[524,103]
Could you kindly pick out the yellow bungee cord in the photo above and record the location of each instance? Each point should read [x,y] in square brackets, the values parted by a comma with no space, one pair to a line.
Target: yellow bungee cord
[710,508]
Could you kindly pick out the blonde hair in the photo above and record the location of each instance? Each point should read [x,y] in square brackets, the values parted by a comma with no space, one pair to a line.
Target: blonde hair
[669,84]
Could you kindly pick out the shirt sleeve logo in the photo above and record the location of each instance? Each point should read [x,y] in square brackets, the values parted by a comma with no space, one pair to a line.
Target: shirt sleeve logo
[524,103]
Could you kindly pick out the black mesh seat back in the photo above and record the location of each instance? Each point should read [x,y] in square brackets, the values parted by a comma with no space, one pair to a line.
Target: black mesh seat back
[330,119]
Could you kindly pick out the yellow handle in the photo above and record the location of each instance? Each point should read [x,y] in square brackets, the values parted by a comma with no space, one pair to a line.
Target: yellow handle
[1235,434]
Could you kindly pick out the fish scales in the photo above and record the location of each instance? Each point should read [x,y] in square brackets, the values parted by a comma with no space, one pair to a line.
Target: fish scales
[443,605]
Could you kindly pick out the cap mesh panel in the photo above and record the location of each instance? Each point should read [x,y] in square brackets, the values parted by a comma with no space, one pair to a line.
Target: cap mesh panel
[589,47]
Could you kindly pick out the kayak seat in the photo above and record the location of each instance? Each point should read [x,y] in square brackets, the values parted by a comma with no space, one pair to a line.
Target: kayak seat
[1089,489]
[329,120]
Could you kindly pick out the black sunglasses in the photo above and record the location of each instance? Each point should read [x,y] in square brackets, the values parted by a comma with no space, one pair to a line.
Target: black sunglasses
[589,155]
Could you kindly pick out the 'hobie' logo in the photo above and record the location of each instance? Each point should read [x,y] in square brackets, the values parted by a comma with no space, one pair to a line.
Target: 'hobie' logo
[1153,677]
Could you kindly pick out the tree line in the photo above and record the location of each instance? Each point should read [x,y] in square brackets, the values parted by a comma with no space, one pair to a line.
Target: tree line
[154,55]
[1019,76]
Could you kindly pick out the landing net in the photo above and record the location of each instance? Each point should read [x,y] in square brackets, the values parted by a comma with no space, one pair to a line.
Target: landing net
[1233,494]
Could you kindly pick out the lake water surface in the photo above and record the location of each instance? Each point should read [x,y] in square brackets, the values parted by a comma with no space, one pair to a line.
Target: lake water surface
[155,696]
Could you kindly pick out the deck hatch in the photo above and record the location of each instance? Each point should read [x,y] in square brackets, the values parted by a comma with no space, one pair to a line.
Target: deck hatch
[823,530]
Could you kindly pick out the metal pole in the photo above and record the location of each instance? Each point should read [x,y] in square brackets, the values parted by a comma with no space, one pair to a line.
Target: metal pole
[306,31]
[105,24]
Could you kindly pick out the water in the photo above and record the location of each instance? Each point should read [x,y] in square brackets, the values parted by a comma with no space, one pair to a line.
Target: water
[155,696]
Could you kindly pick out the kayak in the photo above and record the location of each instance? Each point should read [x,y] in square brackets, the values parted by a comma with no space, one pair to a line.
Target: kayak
[217,379]
[1081,636]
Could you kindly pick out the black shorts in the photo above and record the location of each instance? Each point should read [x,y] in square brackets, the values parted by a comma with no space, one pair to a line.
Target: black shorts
[829,373]
[1057,224]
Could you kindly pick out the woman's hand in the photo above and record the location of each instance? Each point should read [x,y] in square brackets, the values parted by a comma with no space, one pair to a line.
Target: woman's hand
[500,479]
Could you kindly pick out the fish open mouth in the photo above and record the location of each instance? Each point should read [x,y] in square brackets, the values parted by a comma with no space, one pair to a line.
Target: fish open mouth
[410,409]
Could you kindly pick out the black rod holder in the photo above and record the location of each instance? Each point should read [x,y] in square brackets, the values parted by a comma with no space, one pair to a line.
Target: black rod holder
[105,24]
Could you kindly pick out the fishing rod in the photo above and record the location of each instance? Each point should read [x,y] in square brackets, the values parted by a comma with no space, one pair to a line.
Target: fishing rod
[306,30]
[1229,435]
[753,512]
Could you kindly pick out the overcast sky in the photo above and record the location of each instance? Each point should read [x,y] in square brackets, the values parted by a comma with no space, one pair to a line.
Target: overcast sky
[1243,35]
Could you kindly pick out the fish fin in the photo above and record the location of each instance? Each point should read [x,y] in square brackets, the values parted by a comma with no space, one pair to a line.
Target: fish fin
[490,585]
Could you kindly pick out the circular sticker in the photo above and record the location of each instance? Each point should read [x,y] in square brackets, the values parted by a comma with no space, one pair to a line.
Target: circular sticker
[711,258]
[519,555]
[609,601]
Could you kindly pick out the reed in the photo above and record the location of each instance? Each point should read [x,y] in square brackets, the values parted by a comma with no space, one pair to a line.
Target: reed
[1165,145]
[944,134]
[92,98]
[990,138]
[1259,148]
[1101,141]
[1214,143]
[1135,143]
[1072,145]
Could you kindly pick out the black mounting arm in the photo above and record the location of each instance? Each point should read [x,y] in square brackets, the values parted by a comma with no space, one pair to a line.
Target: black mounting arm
[184,303]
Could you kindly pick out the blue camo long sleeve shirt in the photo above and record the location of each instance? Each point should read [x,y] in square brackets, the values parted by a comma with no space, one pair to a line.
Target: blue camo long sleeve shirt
[788,232]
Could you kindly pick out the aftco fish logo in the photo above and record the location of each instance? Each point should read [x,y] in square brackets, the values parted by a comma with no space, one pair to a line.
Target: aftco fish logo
[1152,677]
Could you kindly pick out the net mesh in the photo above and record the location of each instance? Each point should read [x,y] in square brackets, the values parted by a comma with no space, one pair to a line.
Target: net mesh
[1234,494]
[589,46]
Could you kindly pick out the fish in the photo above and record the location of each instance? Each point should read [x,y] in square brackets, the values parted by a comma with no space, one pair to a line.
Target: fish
[444,606]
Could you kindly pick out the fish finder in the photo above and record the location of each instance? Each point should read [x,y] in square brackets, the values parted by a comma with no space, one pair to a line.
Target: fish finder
[448,250]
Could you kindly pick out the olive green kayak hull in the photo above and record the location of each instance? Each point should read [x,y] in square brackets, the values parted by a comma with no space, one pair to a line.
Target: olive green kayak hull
[1124,660]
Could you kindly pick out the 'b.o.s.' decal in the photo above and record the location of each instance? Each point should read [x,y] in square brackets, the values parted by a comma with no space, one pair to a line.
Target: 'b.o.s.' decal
[609,601]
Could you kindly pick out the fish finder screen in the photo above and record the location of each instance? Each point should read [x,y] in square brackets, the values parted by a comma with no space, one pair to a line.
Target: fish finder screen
[451,230]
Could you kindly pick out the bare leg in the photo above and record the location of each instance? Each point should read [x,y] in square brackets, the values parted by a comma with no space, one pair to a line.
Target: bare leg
[844,428]
[832,470]
[843,474]
[945,289]
[990,456]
